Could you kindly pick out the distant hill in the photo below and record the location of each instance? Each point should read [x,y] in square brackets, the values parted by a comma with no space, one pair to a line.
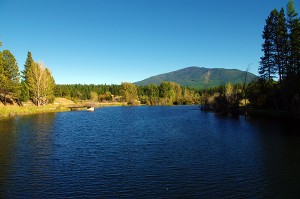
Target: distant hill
[194,77]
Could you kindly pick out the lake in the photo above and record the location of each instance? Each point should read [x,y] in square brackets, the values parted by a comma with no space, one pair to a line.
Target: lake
[147,152]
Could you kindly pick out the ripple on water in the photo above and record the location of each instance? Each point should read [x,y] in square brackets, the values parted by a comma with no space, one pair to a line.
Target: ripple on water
[139,152]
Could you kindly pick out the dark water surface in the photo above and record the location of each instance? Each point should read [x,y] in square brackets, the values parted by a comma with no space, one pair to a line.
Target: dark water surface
[147,152]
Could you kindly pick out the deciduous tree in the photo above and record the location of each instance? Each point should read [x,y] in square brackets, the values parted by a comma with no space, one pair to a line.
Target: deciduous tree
[129,92]
[40,84]
[94,96]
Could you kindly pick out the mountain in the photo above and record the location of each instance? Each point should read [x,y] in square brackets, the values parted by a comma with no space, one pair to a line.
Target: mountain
[195,77]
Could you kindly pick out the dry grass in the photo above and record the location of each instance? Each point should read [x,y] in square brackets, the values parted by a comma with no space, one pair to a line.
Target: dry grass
[111,104]
[60,105]
[63,101]
[13,110]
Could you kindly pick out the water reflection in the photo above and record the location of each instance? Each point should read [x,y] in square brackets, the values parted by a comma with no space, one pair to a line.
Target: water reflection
[25,141]
[7,145]
[140,152]
[280,141]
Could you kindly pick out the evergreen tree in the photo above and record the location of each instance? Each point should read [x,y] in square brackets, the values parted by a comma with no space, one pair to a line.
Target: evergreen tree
[24,90]
[9,75]
[281,41]
[275,47]
[267,68]
[293,25]
[28,64]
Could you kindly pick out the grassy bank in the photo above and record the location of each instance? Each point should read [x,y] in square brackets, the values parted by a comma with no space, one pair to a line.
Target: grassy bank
[9,111]
[28,108]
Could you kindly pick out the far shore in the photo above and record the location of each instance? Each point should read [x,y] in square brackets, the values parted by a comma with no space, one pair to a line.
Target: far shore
[60,105]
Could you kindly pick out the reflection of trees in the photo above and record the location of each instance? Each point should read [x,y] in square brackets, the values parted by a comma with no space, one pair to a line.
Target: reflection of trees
[7,144]
[40,127]
[25,149]
[37,140]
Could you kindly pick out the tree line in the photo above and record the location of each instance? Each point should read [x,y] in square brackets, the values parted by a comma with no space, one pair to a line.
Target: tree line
[167,93]
[35,82]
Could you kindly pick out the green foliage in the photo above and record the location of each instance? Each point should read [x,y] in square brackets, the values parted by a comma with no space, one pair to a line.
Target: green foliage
[24,96]
[293,25]
[129,92]
[28,64]
[83,91]
[9,75]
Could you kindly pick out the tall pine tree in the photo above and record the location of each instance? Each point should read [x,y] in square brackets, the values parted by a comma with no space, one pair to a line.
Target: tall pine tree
[293,25]
[24,82]
[281,45]
[267,69]
[28,64]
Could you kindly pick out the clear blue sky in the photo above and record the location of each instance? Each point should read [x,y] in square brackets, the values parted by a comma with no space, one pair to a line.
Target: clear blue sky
[114,41]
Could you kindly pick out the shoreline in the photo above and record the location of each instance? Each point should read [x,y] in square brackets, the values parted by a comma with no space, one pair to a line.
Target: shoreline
[9,111]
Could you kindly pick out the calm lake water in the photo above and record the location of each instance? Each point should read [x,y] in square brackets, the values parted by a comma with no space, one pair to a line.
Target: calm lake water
[147,152]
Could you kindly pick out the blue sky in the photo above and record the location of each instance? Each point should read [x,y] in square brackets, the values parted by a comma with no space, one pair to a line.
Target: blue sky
[114,41]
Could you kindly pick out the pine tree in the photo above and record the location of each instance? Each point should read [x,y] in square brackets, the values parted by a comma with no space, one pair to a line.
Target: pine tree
[28,64]
[24,96]
[9,75]
[293,25]
[24,84]
[267,68]
[281,47]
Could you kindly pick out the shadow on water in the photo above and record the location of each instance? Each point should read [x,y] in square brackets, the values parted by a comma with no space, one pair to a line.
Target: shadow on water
[283,126]
[280,139]
[16,134]
[7,146]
